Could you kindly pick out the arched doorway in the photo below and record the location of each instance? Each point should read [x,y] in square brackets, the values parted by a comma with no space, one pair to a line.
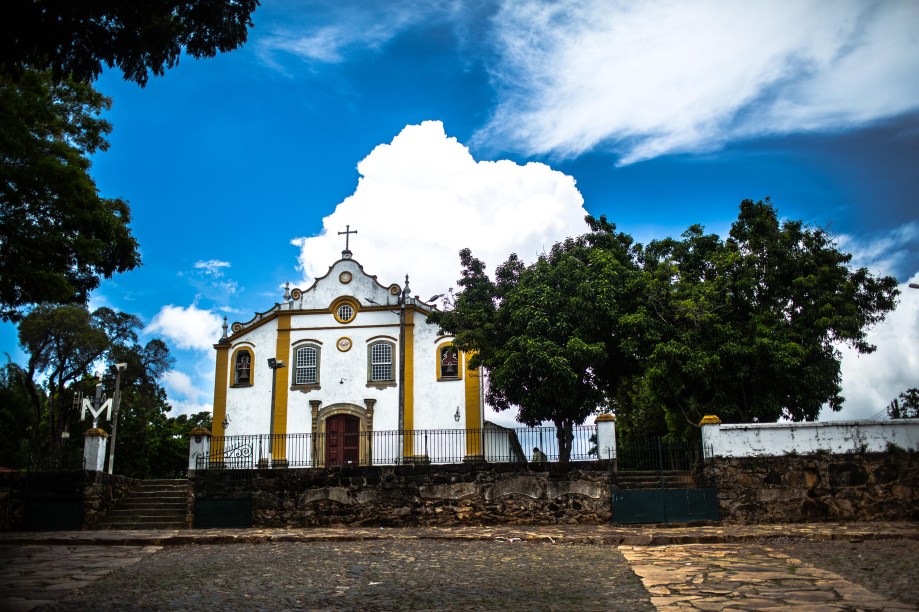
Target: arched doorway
[342,440]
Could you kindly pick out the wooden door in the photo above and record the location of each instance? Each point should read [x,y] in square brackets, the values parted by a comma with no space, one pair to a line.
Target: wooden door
[342,440]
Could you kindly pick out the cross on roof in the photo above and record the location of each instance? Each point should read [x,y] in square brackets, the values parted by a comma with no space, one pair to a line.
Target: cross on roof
[346,232]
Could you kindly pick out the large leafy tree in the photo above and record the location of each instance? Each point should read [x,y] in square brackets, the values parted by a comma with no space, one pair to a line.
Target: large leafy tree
[76,38]
[748,327]
[555,335]
[65,344]
[58,237]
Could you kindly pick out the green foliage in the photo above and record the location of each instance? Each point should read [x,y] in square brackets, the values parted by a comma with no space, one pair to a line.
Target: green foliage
[76,38]
[57,236]
[906,407]
[64,344]
[554,335]
[15,418]
[746,328]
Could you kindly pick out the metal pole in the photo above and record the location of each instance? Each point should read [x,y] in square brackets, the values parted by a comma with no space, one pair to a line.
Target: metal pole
[402,375]
[117,401]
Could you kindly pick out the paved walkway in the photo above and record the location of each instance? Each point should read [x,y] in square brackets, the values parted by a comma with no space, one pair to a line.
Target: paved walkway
[702,568]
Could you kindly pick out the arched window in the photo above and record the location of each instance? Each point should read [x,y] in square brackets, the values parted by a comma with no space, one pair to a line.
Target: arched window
[307,370]
[242,367]
[448,362]
[380,368]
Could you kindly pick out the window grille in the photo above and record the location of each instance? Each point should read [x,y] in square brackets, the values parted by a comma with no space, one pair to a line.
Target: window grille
[381,361]
[345,312]
[307,366]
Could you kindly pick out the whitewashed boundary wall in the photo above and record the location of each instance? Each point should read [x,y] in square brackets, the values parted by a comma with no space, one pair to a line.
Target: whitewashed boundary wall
[834,437]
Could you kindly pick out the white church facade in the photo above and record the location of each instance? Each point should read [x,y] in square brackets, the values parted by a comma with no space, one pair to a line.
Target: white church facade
[349,356]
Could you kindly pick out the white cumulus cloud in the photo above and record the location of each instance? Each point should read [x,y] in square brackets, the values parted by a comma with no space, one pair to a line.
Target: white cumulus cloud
[423,197]
[871,382]
[185,396]
[187,328]
[649,78]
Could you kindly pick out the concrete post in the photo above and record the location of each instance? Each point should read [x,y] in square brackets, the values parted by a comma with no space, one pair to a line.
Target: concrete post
[711,432]
[94,443]
[606,437]
[199,445]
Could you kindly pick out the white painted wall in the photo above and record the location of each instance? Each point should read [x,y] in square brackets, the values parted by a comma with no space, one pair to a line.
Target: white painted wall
[835,437]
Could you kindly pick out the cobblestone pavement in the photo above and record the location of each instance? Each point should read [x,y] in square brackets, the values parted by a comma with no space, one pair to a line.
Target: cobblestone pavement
[373,575]
[581,567]
[32,575]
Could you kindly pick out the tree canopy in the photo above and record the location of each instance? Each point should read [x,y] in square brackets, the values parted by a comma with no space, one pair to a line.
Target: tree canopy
[77,38]
[554,335]
[746,327]
[64,345]
[58,237]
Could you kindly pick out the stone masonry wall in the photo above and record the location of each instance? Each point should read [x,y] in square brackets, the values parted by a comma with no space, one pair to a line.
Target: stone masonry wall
[100,492]
[820,487]
[476,494]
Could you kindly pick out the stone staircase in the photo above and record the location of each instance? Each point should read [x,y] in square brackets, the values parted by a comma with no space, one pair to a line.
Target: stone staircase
[154,504]
[643,480]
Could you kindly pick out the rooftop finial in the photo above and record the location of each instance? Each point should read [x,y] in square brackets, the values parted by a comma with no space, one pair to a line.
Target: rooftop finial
[224,336]
[346,254]
[287,291]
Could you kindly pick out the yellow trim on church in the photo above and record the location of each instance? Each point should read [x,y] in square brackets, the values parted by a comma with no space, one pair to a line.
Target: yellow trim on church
[473,389]
[220,395]
[282,353]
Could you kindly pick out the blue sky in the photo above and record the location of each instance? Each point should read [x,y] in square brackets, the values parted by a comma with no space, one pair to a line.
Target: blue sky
[498,125]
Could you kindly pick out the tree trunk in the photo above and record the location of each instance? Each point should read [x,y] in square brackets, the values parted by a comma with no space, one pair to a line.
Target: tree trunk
[564,432]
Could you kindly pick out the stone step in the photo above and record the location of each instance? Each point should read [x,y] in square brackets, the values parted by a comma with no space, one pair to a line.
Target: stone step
[135,512]
[151,504]
[136,504]
[143,525]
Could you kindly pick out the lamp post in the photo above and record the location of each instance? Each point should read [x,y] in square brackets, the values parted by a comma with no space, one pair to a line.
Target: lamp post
[116,369]
[274,365]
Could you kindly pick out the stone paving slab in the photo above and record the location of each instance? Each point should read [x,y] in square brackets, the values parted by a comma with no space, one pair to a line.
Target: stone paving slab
[748,577]
[557,534]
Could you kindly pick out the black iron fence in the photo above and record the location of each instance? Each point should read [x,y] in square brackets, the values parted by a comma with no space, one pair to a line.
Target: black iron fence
[654,454]
[436,446]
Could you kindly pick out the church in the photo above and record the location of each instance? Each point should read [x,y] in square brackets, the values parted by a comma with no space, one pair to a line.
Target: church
[346,371]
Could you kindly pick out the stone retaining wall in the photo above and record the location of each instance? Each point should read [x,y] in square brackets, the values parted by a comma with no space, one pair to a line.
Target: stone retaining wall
[58,500]
[574,493]
[820,487]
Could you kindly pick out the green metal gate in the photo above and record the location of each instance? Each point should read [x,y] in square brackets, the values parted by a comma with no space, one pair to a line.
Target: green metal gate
[666,493]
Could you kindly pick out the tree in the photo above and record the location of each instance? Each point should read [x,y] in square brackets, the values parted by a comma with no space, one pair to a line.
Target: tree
[58,238]
[75,39]
[553,335]
[64,344]
[15,417]
[747,328]
[906,407]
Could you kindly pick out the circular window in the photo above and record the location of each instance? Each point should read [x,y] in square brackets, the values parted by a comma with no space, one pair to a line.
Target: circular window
[345,313]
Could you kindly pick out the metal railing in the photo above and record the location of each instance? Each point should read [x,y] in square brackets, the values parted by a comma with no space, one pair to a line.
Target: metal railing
[653,454]
[434,446]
